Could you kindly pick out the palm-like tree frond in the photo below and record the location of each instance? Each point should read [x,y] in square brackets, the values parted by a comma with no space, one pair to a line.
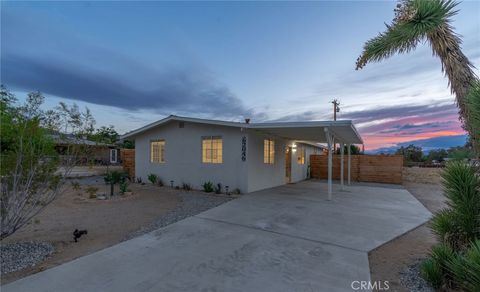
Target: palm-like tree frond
[414,20]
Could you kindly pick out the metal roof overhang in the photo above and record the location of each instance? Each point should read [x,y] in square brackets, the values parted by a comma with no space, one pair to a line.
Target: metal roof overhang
[313,131]
[343,131]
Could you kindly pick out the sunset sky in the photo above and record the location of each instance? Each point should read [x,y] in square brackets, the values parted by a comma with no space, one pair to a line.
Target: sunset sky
[133,63]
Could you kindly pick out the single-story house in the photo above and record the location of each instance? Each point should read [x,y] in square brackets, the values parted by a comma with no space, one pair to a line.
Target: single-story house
[241,155]
[97,153]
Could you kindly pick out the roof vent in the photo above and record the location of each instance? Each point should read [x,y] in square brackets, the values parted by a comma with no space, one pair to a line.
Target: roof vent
[247,121]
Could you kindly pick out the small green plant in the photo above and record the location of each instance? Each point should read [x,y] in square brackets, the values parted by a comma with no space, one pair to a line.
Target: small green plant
[466,268]
[36,221]
[186,187]
[123,187]
[218,188]
[432,273]
[75,185]
[159,182]
[152,178]
[139,180]
[92,192]
[208,187]
[434,270]
[114,177]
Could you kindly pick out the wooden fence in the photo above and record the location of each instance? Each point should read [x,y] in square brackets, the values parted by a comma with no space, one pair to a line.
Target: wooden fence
[364,168]
[128,161]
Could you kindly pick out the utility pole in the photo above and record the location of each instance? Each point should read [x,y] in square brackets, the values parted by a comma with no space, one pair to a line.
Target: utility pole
[336,109]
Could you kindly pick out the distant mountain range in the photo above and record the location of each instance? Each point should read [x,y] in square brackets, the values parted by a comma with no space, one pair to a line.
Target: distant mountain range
[443,142]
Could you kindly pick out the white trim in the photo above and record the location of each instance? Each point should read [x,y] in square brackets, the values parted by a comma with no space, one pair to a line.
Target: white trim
[342,145]
[116,155]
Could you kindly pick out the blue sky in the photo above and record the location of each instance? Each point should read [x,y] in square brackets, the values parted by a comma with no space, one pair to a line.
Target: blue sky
[133,63]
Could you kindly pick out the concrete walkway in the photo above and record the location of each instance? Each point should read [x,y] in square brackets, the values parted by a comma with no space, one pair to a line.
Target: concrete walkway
[288,238]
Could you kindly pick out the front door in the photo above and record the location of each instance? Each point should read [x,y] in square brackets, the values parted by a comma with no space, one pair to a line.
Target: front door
[288,164]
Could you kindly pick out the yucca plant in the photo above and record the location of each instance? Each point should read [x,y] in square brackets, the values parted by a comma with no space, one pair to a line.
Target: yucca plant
[457,228]
[466,268]
[434,270]
[462,190]
[429,21]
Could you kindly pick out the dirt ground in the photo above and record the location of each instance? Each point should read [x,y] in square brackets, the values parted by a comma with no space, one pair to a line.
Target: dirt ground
[422,175]
[388,261]
[108,222]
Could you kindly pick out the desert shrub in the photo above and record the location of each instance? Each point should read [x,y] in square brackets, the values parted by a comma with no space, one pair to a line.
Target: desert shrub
[92,192]
[458,230]
[152,178]
[208,187]
[186,186]
[434,270]
[123,187]
[466,268]
[218,188]
[75,185]
[115,177]
[462,190]
[432,273]
[444,228]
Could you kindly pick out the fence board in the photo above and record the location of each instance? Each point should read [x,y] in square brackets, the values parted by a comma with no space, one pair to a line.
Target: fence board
[365,168]
[128,161]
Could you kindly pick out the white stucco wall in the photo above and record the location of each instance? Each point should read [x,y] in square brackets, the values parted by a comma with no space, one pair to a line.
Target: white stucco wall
[262,175]
[300,171]
[183,156]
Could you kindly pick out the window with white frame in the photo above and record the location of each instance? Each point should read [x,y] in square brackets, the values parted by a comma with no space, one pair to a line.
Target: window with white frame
[301,155]
[268,151]
[157,151]
[212,149]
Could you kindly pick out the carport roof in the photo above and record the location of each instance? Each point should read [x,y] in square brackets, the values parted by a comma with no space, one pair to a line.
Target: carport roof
[314,131]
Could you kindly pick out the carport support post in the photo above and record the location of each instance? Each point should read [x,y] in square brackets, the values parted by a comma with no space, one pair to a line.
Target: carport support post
[342,145]
[329,142]
[349,161]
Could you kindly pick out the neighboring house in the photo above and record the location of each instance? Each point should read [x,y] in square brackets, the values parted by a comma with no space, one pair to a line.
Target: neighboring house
[247,156]
[98,153]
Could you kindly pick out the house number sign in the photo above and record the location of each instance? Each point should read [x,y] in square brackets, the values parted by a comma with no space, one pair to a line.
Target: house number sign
[244,148]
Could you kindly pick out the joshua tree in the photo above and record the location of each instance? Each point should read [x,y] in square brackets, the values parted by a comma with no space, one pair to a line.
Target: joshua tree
[418,21]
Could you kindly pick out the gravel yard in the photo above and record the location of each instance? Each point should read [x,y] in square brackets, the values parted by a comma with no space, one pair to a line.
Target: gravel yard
[47,241]
[20,255]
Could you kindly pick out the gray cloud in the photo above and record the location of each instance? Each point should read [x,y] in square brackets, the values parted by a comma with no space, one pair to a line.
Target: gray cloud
[187,90]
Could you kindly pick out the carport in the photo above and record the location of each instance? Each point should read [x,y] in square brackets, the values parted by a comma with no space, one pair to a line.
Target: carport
[327,132]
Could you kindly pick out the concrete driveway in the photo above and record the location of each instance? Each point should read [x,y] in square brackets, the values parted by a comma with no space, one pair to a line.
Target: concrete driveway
[288,238]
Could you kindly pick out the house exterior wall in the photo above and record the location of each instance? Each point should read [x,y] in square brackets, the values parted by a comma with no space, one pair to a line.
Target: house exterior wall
[183,156]
[262,175]
[300,171]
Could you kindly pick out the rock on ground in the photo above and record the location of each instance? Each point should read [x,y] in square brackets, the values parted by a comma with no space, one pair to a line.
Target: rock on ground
[20,255]
[412,279]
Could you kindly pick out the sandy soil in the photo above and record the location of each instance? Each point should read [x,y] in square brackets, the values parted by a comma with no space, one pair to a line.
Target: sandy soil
[388,261]
[422,175]
[108,222]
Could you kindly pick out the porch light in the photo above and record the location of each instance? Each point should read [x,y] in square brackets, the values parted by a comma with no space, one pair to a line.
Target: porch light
[294,147]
